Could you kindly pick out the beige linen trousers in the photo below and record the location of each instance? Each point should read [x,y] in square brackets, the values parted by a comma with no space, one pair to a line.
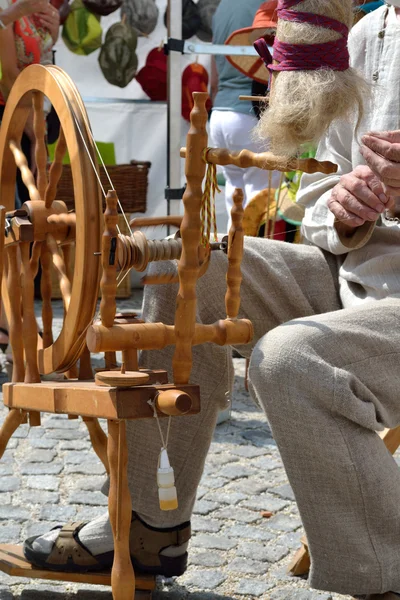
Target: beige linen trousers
[328,379]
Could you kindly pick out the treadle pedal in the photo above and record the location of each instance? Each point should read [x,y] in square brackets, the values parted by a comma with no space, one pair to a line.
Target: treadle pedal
[14,563]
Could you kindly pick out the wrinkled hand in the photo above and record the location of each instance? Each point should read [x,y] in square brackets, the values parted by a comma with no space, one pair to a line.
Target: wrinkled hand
[381,152]
[358,197]
[50,19]
[29,7]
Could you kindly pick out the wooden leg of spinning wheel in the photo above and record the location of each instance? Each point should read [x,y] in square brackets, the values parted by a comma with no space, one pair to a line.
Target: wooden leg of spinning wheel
[98,439]
[120,511]
[301,563]
[13,420]
[391,439]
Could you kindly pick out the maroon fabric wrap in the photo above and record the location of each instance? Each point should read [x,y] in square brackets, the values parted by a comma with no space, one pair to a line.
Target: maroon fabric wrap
[310,57]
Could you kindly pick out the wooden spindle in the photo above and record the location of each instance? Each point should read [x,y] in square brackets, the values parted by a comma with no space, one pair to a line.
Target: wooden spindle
[130,360]
[110,360]
[266,160]
[46,291]
[2,251]
[26,173]
[58,262]
[188,266]
[29,325]
[15,324]
[55,170]
[120,511]
[39,127]
[108,283]
[98,439]
[235,254]
[67,252]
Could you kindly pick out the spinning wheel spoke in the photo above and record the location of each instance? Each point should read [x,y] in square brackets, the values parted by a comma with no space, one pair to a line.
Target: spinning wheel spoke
[45,289]
[26,173]
[34,262]
[58,262]
[55,170]
[29,325]
[15,322]
[39,127]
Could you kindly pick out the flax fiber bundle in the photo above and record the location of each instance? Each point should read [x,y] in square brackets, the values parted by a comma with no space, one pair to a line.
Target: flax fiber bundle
[304,103]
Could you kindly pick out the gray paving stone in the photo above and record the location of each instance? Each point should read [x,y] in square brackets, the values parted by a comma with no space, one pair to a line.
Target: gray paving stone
[90,484]
[6,469]
[213,483]
[43,443]
[9,484]
[40,527]
[258,438]
[85,469]
[207,579]
[43,482]
[5,498]
[265,502]
[284,491]
[91,498]
[77,458]
[29,497]
[9,532]
[74,445]
[293,594]
[236,472]
[8,512]
[291,540]
[62,422]
[248,532]
[64,434]
[6,595]
[225,498]
[249,587]
[284,523]
[237,513]
[214,542]
[248,566]
[221,459]
[202,507]
[249,451]
[57,513]
[250,486]
[40,456]
[208,559]
[53,468]
[205,524]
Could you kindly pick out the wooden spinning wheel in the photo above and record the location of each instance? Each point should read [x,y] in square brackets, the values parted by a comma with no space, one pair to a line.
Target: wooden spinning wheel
[45,221]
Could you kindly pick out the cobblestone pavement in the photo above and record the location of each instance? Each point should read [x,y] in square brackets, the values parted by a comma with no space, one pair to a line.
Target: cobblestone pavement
[50,475]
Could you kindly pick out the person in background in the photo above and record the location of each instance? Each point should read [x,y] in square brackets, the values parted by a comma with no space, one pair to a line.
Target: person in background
[28,32]
[233,120]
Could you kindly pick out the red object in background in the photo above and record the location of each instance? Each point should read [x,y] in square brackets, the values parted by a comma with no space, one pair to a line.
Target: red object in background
[153,76]
[194,79]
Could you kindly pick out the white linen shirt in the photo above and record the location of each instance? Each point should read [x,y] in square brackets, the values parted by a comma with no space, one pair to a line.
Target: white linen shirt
[370,259]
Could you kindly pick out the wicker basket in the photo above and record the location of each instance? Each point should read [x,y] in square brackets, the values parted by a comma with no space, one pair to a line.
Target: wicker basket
[130,182]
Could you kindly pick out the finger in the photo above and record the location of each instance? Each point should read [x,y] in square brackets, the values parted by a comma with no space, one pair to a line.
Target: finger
[387,149]
[387,171]
[361,190]
[344,216]
[390,136]
[353,205]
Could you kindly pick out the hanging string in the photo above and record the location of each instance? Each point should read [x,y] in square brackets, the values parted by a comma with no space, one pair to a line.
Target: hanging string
[208,214]
[165,440]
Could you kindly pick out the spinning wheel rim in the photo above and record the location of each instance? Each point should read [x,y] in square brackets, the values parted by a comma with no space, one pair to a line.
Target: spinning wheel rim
[63,95]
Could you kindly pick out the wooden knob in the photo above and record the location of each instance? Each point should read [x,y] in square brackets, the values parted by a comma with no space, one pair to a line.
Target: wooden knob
[121,379]
[173,402]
